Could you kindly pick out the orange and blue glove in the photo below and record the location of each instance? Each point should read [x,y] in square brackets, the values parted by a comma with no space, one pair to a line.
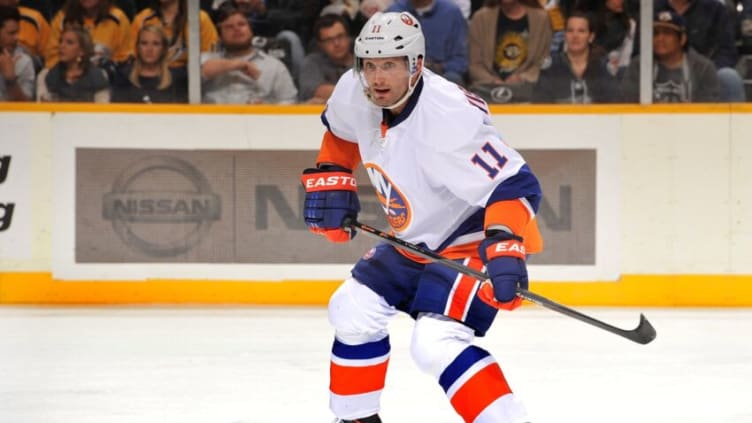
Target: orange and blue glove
[331,197]
[504,257]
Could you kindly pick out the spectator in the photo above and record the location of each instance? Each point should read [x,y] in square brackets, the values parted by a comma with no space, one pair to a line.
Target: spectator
[172,17]
[323,67]
[284,44]
[148,78]
[445,30]
[107,25]
[74,77]
[241,74]
[34,32]
[615,35]
[16,67]
[680,74]
[509,42]
[711,33]
[576,75]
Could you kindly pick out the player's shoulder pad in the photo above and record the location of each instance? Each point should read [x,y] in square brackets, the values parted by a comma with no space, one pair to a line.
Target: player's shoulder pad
[451,118]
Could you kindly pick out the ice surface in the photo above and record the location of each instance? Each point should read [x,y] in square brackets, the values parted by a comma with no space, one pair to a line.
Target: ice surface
[268,365]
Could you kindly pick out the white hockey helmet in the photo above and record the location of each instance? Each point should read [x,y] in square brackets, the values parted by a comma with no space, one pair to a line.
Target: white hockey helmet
[391,34]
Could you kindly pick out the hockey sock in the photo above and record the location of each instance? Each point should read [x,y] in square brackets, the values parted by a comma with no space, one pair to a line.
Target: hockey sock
[472,382]
[357,376]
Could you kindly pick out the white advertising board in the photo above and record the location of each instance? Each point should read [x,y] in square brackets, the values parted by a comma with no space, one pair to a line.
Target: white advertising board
[16,234]
[303,132]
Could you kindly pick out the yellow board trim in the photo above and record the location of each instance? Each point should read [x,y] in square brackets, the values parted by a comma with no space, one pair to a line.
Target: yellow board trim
[17,288]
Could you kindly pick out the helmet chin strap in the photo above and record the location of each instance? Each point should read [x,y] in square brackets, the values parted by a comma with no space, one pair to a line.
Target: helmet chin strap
[410,88]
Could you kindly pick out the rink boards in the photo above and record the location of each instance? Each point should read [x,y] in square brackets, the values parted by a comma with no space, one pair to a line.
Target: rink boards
[198,204]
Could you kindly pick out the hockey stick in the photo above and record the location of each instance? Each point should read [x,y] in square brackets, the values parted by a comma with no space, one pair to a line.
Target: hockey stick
[642,334]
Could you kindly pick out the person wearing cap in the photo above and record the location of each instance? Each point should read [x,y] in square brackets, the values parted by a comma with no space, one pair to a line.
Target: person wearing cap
[710,32]
[446,180]
[680,74]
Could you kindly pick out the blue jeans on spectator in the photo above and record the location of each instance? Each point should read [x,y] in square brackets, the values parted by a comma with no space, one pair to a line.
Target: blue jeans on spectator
[732,87]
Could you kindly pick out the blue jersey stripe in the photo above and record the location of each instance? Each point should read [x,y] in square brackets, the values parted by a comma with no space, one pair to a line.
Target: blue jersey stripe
[459,366]
[523,184]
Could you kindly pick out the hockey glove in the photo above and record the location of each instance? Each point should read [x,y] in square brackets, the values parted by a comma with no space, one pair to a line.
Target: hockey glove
[504,256]
[331,196]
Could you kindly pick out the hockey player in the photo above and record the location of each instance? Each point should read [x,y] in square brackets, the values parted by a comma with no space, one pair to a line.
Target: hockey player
[447,181]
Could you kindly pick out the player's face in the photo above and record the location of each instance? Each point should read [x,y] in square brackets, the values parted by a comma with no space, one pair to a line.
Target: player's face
[666,42]
[387,79]
[335,41]
[150,47]
[577,35]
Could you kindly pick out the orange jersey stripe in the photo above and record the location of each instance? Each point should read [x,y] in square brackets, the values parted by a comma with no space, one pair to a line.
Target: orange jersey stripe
[463,293]
[338,151]
[532,238]
[512,214]
[480,391]
[347,380]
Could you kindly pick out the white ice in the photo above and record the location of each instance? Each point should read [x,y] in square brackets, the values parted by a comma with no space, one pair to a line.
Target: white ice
[267,365]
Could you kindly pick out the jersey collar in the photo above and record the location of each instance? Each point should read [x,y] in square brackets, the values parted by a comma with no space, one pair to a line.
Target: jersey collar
[392,120]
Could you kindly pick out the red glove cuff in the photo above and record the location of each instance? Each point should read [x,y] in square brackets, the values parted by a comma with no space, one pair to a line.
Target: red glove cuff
[506,248]
[329,181]
[486,294]
[333,235]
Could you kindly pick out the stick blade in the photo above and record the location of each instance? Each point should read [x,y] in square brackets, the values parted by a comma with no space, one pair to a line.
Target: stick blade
[644,333]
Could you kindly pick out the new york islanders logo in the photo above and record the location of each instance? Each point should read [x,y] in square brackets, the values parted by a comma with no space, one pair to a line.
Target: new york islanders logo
[395,204]
[406,19]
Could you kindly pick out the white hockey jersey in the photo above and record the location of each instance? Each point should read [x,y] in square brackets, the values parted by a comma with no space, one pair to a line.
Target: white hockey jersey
[435,166]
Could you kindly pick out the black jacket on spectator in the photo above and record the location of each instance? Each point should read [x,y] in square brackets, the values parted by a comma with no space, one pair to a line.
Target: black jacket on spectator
[123,91]
[709,30]
[557,83]
[81,90]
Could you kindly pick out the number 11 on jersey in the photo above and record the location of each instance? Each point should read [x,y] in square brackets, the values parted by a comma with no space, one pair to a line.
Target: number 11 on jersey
[491,170]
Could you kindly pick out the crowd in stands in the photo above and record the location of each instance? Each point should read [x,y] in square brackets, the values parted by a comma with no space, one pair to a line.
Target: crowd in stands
[294,51]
